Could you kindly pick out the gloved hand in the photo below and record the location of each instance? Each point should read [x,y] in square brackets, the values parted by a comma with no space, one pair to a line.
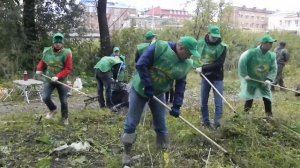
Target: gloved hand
[199,70]
[247,77]
[54,79]
[148,90]
[268,83]
[39,72]
[175,112]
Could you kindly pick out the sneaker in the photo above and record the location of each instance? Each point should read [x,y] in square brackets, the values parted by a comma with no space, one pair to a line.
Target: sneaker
[66,121]
[50,115]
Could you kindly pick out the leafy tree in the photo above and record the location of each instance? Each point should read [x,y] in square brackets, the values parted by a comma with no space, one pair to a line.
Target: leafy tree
[11,37]
[205,12]
[59,15]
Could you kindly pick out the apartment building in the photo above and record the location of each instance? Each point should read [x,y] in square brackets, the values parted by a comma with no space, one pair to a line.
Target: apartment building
[116,13]
[250,19]
[178,15]
[285,22]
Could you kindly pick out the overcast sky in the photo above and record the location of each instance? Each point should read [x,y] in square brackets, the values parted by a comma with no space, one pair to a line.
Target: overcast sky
[282,5]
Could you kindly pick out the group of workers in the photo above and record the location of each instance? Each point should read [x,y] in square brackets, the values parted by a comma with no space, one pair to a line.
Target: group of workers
[163,65]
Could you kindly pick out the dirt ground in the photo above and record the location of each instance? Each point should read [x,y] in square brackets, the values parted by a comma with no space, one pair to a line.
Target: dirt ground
[76,103]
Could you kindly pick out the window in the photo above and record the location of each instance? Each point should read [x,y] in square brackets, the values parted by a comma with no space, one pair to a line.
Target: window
[296,23]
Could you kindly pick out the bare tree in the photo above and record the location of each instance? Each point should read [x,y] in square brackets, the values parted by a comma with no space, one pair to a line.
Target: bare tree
[103,28]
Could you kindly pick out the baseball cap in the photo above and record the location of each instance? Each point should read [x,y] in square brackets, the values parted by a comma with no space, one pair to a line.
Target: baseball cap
[267,39]
[58,38]
[190,43]
[214,31]
[150,35]
[116,49]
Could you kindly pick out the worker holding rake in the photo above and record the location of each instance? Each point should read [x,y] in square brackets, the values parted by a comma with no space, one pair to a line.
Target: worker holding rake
[257,70]
[57,64]
[213,53]
[157,67]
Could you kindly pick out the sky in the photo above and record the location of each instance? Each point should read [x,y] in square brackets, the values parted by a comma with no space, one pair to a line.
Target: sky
[281,5]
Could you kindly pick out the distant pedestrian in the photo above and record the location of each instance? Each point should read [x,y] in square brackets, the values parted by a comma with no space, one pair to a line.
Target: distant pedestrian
[282,57]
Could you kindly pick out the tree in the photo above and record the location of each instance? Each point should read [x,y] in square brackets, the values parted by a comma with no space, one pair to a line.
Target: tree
[206,11]
[103,28]
[29,24]
[11,37]
[64,16]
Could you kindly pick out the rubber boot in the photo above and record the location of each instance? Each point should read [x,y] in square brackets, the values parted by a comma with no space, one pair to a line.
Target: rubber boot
[162,141]
[127,140]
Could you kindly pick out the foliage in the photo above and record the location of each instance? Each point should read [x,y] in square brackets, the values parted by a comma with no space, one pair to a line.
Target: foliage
[250,140]
[63,16]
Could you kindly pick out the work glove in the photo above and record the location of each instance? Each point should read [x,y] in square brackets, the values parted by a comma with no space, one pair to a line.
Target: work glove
[175,112]
[54,79]
[39,72]
[268,83]
[148,90]
[199,70]
[247,77]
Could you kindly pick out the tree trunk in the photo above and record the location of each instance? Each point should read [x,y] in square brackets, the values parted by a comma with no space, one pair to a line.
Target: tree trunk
[29,24]
[103,28]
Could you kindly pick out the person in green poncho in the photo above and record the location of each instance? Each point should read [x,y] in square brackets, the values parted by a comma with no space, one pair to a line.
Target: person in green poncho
[150,38]
[106,71]
[56,63]
[258,64]
[157,67]
[213,53]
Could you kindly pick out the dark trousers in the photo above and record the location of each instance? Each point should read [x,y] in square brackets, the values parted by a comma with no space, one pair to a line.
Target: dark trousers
[48,88]
[279,76]
[267,103]
[104,80]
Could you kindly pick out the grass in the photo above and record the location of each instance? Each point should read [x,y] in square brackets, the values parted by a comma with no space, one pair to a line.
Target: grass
[251,141]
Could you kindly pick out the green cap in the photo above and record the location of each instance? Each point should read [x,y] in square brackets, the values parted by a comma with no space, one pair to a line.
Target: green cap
[267,39]
[116,49]
[190,43]
[150,35]
[58,38]
[214,31]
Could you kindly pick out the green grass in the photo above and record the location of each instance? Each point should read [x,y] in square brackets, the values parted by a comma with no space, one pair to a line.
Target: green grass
[250,140]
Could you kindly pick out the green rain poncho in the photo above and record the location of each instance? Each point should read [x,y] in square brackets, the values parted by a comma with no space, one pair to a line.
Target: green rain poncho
[259,66]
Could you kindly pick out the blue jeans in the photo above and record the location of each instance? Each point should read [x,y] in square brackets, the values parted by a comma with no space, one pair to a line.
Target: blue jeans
[104,81]
[135,110]
[62,93]
[205,89]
